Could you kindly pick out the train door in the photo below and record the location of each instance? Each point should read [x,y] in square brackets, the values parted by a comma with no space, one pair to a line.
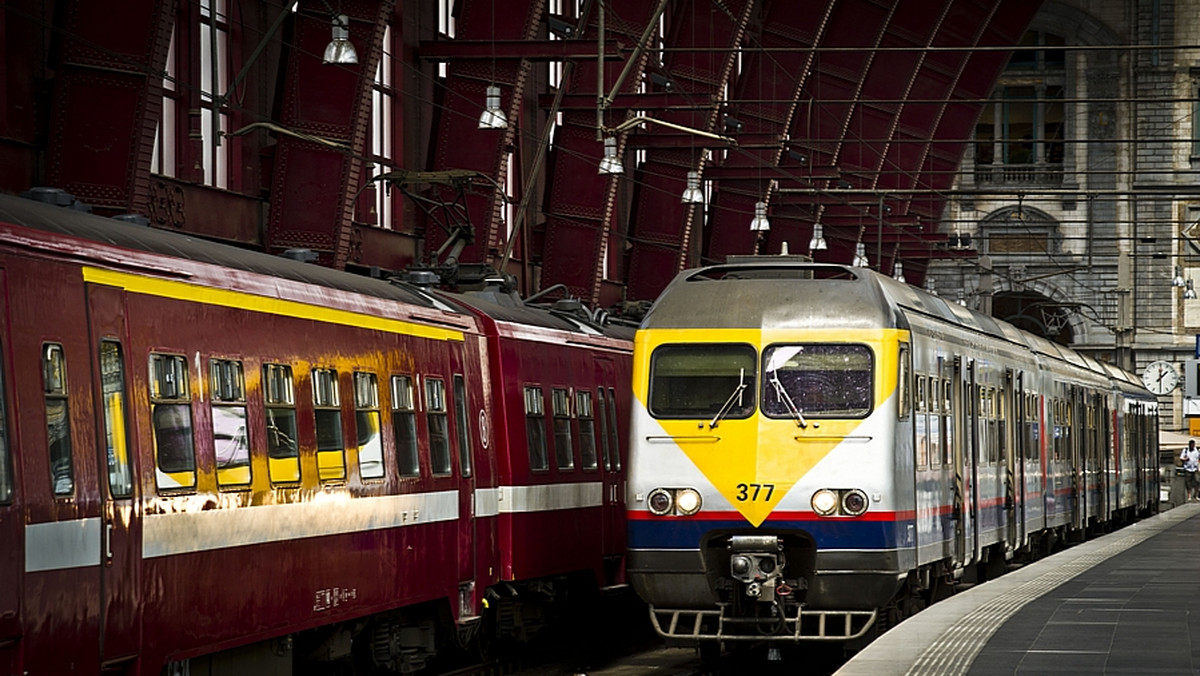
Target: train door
[1073,427]
[1014,480]
[12,555]
[467,551]
[965,476]
[120,539]
[610,466]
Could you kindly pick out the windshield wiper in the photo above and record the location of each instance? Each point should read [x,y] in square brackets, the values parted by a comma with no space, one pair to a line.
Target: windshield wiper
[787,401]
[737,394]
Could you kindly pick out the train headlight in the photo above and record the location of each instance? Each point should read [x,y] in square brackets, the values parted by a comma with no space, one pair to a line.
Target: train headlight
[854,502]
[687,501]
[824,502]
[660,501]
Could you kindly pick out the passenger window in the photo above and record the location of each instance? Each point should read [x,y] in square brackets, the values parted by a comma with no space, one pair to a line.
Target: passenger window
[564,454]
[587,430]
[613,432]
[367,422]
[331,455]
[279,399]
[6,477]
[116,441]
[58,419]
[603,429]
[902,386]
[464,426]
[435,418]
[404,426]
[171,416]
[921,425]
[230,441]
[535,428]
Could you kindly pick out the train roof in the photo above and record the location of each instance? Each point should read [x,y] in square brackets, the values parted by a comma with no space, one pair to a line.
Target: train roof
[64,220]
[793,292]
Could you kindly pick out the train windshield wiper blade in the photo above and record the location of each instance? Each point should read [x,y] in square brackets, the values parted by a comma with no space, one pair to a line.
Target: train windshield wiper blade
[736,394]
[787,401]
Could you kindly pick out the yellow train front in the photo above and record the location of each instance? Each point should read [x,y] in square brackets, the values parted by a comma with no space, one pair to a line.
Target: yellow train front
[817,451]
[764,472]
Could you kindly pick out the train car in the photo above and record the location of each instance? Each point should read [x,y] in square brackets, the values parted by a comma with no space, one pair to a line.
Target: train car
[819,450]
[218,461]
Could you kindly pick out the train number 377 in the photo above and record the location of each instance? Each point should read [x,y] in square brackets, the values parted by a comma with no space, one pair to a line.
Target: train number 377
[755,492]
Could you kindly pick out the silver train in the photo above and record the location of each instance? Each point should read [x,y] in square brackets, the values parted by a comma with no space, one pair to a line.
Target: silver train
[820,450]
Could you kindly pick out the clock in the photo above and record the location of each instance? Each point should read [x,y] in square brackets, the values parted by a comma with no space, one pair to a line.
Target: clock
[1160,377]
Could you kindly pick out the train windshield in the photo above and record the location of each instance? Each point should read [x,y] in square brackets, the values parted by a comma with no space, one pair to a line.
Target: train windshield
[703,380]
[819,380]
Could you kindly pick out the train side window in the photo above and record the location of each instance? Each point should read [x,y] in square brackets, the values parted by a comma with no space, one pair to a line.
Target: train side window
[464,426]
[404,426]
[58,419]
[279,399]
[6,477]
[564,454]
[435,419]
[947,422]
[113,400]
[613,432]
[327,411]
[171,416]
[902,385]
[921,423]
[934,402]
[368,426]
[231,444]
[603,416]
[535,428]
[587,429]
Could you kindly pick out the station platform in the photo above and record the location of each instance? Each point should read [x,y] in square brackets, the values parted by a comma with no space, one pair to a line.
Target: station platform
[1124,603]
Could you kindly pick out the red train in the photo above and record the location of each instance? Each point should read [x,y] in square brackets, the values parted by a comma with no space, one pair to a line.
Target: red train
[219,461]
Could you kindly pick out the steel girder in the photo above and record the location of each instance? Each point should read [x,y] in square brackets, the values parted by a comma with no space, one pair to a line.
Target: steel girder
[460,144]
[314,184]
[107,99]
[580,203]
[661,227]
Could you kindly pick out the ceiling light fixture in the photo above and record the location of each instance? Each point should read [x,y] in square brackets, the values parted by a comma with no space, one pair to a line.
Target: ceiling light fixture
[610,164]
[1178,281]
[817,243]
[860,256]
[340,50]
[493,117]
[693,194]
[1190,292]
[899,273]
[760,223]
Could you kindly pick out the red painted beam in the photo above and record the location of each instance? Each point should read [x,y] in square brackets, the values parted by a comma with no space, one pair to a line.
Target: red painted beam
[532,50]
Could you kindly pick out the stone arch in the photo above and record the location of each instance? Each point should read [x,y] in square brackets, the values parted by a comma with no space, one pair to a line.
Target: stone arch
[1040,308]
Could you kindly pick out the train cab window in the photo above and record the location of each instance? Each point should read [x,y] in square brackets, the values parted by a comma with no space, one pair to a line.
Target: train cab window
[58,419]
[823,380]
[6,477]
[702,380]
[404,426]
[231,444]
[464,426]
[587,430]
[564,454]
[435,420]
[603,429]
[535,428]
[113,401]
[327,409]
[171,416]
[614,436]
[903,393]
[368,426]
[279,399]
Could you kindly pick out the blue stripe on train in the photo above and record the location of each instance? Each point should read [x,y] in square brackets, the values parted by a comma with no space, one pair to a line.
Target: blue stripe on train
[828,533]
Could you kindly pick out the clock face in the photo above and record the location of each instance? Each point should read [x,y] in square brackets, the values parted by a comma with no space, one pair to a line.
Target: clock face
[1160,377]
